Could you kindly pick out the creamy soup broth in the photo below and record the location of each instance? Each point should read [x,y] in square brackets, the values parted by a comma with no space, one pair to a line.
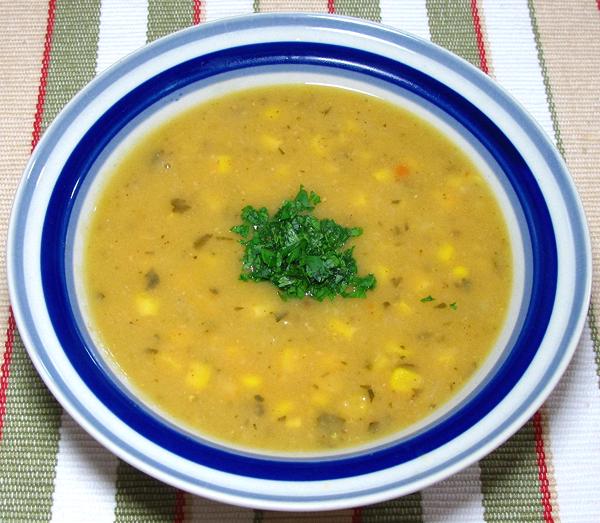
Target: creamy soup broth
[230,359]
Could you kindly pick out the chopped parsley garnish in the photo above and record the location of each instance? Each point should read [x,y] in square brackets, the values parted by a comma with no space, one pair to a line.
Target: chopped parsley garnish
[300,254]
[454,306]
[427,299]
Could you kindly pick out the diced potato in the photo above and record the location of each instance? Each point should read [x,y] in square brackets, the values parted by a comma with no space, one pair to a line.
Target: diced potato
[252,381]
[341,328]
[293,423]
[403,308]
[446,252]
[383,175]
[223,163]
[460,272]
[147,305]
[405,380]
[198,375]
[270,142]
[272,112]
[282,408]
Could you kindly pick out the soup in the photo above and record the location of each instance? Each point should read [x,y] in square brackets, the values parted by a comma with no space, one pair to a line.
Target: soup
[232,360]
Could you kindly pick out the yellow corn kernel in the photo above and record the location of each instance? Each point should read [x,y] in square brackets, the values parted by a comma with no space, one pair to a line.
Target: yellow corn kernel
[383,175]
[319,398]
[445,252]
[198,375]
[342,328]
[252,381]
[272,113]
[282,408]
[460,272]
[223,163]
[146,305]
[270,142]
[403,308]
[293,423]
[405,380]
[289,359]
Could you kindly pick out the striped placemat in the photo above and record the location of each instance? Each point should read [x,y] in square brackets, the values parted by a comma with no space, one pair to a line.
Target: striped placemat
[545,52]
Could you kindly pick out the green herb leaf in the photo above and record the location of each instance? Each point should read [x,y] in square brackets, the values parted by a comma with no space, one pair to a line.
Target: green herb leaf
[299,253]
[453,306]
[427,299]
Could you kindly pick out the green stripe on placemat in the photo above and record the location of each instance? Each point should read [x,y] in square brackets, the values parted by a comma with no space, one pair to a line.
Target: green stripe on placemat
[541,59]
[369,10]
[509,480]
[29,443]
[142,498]
[32,421]
[595,337]
[167,16]
[73,54]
[402,510]
[451,26]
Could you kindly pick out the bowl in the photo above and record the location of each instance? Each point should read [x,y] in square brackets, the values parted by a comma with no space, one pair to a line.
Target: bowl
[551,254]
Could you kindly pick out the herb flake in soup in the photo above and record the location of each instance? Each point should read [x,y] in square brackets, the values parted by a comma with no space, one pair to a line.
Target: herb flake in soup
[232,360]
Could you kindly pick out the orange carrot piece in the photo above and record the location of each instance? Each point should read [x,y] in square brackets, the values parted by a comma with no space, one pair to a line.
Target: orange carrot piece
[401,171]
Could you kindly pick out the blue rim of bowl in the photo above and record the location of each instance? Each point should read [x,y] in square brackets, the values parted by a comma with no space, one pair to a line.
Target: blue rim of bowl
[519,174]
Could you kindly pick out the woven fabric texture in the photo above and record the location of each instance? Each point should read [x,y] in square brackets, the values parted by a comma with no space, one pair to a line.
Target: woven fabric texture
[545,53]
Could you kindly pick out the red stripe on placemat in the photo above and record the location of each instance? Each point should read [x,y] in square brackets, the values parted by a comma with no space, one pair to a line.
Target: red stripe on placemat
[8,350]
[37,132]
[542,468]
[197,11]
[479,35]
[331,6]
[37,123]
[179,507]
[357,515]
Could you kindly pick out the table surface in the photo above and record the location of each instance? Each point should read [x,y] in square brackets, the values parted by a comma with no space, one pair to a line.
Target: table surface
[545,52]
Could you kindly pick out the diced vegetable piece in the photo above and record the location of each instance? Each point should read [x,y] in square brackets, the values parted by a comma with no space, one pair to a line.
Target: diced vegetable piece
[383,175]
[223,163]
[460,272]
[252,381]
[341,328]
[445,252]
[405,380]
[147,305]
[198,375]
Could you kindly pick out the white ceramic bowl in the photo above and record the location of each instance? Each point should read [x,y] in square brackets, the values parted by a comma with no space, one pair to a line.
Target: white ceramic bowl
[545,218]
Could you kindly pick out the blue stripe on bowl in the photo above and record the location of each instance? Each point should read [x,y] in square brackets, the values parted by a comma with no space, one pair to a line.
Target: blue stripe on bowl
[261,25]
[85,361]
